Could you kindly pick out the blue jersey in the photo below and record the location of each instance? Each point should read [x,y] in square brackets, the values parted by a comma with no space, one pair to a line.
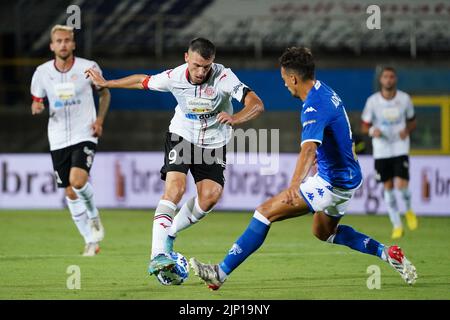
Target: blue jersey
[325,121]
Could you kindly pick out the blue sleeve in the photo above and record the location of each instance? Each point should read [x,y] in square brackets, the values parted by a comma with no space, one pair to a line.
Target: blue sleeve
[313,124]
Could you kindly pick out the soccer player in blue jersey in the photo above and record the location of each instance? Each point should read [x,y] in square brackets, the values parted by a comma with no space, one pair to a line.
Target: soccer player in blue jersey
[327,139]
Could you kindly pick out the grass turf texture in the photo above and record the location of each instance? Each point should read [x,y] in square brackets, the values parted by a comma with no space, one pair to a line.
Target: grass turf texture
[37,247]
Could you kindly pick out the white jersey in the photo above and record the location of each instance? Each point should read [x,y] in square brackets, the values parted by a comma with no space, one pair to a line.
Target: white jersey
[390,116]
[195,117]
[71,102]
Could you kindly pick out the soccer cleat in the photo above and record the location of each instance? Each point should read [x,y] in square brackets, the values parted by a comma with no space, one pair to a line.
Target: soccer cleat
[91,249]
[209,273]
[169,243]
[159,263]
[397,259]
[411,220]
[97,230]
[397,233]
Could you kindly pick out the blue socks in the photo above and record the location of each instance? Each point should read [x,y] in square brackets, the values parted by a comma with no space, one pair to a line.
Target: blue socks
[252,238]
[256,232]
[347,236]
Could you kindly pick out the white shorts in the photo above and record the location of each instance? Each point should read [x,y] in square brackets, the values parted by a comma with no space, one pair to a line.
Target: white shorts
[322,196]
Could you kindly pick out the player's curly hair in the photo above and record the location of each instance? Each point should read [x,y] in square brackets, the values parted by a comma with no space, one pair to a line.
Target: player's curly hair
[299,60]
[204,47]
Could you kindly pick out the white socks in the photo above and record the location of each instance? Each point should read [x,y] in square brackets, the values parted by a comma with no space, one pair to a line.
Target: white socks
[86,194]
[406,195]
[161,223]
[80,217]
[189,214]
[391,204]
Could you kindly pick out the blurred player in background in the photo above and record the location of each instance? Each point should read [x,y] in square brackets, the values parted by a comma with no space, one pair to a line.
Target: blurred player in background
[200,129]
[389,118]
[327,137]
[73,128]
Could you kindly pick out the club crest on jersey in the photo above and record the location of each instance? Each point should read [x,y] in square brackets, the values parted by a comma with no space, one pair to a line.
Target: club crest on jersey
[209,91]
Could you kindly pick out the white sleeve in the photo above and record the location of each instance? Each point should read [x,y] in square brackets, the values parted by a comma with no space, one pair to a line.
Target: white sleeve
[37,86]
[409,109]
[158,82]
[367,114]
[232,85]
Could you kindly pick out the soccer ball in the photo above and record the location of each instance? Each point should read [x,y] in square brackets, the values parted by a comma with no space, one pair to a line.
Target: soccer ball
[178,274]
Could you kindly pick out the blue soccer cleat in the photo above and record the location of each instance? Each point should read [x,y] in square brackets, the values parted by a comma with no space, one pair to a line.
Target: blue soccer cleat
[159,263]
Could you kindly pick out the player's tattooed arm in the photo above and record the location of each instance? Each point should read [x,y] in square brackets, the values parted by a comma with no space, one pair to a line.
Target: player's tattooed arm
[104,101]
[131,82]
[305,161]
[253,107]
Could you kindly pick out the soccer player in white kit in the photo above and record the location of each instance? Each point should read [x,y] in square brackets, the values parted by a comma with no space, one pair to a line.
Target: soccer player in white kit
[388,117]
[73,128]
[196,140]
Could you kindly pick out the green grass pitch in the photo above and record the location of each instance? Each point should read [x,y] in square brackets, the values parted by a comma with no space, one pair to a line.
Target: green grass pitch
[37,247]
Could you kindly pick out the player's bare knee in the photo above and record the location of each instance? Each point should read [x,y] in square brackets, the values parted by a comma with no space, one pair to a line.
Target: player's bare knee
[208,198]
[174,192]
[70,193]
[77,183]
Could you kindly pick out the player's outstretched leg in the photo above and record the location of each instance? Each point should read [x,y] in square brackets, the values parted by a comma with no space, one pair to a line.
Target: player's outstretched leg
[274,209]
[347,236]
[252,238]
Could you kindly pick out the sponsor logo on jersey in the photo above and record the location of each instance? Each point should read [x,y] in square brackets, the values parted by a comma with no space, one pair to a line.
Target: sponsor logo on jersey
[67,103]
[308,122]
[310,109]
[194,116]
[59,104]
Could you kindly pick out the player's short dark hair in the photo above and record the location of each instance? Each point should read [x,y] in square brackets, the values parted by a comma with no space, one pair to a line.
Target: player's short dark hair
[299,60]
[387,68]
[204,47]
